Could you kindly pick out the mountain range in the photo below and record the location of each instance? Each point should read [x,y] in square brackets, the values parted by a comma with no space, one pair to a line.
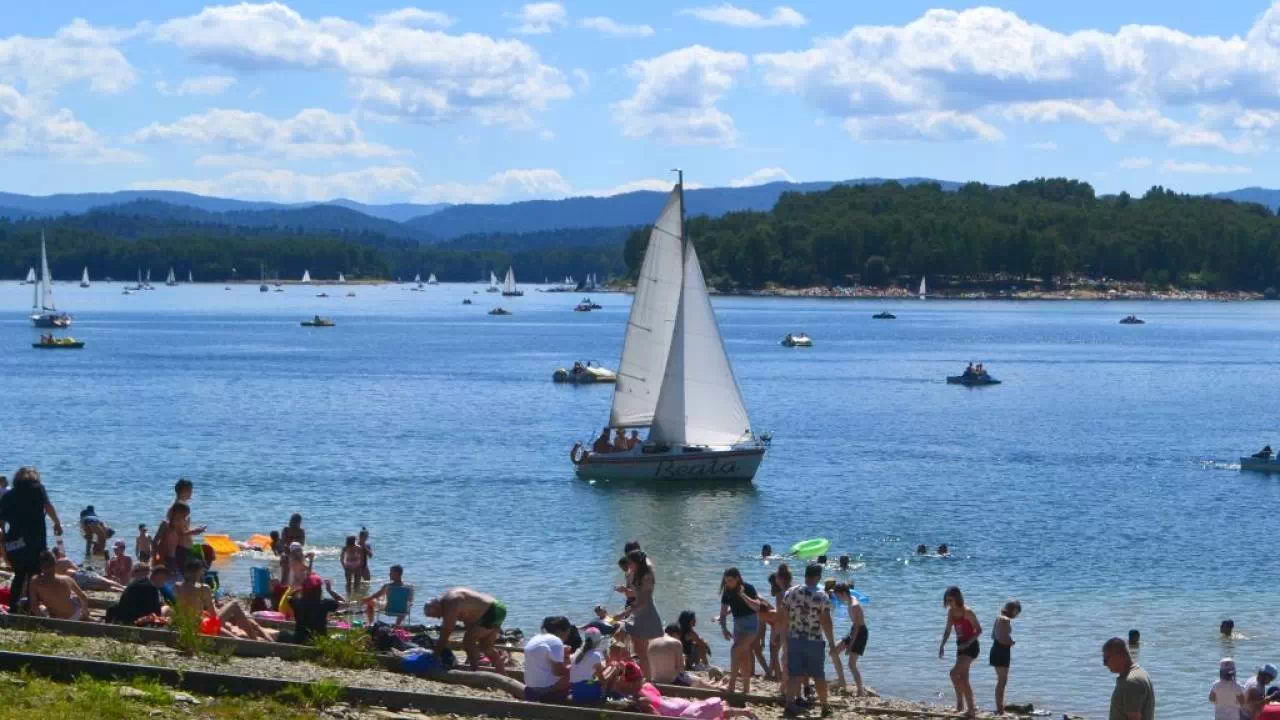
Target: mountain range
[431,223]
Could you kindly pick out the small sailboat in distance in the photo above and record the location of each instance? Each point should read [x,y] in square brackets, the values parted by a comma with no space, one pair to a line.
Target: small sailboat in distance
[191,278]
[341,278]
[509,288]
[262,271]
[674,376]
[84,277]
[924,291]
[306,276]
[431,279]
[172,280]
[31,276]
[493,283]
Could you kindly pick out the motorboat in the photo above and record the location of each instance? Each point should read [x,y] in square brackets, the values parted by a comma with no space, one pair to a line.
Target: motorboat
[972,377]
[499,311]
[586,301]
[49,342]
[466,301]
[797,340]
[582,307]
[351,293]
[317,321]
[674,376]
[884,315]
[1264,461]
[588,373]
[1132,320]
[322,295]
[43,312]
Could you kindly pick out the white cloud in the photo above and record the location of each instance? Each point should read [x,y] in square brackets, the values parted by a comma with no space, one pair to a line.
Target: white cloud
[676,94]
[1048,146]
[941,126]
[645,185]
[288,186]
[762,176]
[991,63]
[202,85]
[77,52]
[413,17]
[1135,163]
[539,18]
[1203,168]
[609,26]
[28,127]
[734,16]
[312,133]
[509,184]
[582,78]
[396,70]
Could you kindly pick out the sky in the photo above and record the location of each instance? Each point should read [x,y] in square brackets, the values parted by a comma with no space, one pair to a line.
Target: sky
[486,101]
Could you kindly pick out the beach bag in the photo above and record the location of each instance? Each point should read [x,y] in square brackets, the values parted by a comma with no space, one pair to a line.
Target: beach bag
[419,662]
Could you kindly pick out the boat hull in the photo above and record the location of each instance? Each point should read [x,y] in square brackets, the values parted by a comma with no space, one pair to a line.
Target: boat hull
[518,293]
[971,381]
[312,323]
[729,464]
[590,376]
[51,321]
[78,344]
[1254,464]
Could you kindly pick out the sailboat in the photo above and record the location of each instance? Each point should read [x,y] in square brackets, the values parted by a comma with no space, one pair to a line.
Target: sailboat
[84,278]
[431,279]
[43,312]
[148,285]
[190,277]
[674,376]
[509,288]
[342,278]
[923,290]
[493,283]
[31,276]
[306,276]
[262,272]
[171,281]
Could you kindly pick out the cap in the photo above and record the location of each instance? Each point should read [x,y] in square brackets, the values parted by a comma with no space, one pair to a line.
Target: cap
[631,672]
[295,547]
[1227,665]
[1269,669]
[119,543]
[312,583]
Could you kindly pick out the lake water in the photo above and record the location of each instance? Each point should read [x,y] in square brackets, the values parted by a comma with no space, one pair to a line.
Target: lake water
[1097,484]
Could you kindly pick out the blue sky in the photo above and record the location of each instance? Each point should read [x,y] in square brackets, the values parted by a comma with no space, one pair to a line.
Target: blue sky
[504,101]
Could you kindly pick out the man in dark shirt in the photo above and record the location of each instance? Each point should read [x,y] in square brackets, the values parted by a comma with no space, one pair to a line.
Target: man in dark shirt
[22,513]
[140,598]
[311,610]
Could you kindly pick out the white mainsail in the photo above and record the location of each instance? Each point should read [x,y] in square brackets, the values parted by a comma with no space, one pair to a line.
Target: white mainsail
[306,276]
[171,280]
[509,283]
[700,403]
[493,281]
[923,290]
[46,280]
[651,322]
[190,277]
[431,279]
[31,275]
[84,278]
[342,278]
[417,277]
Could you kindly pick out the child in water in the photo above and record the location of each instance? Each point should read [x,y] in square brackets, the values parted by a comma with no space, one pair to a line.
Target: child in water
[352,559]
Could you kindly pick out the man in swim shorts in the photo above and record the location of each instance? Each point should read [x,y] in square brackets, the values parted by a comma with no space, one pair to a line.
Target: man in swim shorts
[481,616]
[61,597]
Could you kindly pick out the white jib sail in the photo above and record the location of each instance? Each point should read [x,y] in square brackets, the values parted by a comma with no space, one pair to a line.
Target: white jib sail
[509,284]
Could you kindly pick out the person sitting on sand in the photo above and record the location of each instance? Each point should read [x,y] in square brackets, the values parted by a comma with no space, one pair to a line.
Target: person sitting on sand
[192,595]
[602,623]
[587,669]
[651,701]
[696,651]
[311,610]
[602,444]
[142,598]
[86,578]
[120,564]
[57,596]
[397,580]
[481,616]
[547,662]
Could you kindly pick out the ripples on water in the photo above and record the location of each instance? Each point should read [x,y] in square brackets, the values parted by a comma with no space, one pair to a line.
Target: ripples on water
[1098,485]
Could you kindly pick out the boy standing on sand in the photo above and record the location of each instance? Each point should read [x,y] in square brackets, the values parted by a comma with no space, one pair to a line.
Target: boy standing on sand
[856,641]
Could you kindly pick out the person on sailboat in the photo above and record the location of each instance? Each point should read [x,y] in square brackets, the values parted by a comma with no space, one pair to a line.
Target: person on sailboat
[1264,453]
[602,444]
[620,443]
[634,439]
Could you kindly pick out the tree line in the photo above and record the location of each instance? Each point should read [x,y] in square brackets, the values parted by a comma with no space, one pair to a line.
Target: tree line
[1040,230]
[120,244]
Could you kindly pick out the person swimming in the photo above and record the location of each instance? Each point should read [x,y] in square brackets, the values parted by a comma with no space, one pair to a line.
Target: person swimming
[766,551]
[922,550]
[844,563]
[943,550]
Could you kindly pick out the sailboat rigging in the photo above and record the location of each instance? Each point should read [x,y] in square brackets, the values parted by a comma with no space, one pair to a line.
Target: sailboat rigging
[43,312]
[509,288]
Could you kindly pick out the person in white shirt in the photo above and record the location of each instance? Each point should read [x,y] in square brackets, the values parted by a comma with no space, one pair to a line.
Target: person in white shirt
[546,662]
[1226,695]
[586,670]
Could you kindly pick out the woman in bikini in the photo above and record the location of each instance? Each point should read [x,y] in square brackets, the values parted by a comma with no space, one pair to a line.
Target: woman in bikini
[352,561]
[968,629]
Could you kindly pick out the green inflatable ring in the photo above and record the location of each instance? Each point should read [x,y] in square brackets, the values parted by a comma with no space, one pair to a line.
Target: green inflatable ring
[809,549]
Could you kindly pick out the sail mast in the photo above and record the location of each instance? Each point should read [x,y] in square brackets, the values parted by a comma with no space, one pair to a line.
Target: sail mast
[46,282]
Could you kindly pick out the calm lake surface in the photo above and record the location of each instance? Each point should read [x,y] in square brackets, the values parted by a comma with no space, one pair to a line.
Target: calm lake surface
[1097,485]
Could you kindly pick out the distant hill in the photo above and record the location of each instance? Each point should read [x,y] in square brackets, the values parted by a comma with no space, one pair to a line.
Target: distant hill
[1262,196]
[562,238]
[310,219]
[627,209]
[398,212]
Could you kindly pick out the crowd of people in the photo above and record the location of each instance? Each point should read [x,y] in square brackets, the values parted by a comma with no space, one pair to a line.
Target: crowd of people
[629,654]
